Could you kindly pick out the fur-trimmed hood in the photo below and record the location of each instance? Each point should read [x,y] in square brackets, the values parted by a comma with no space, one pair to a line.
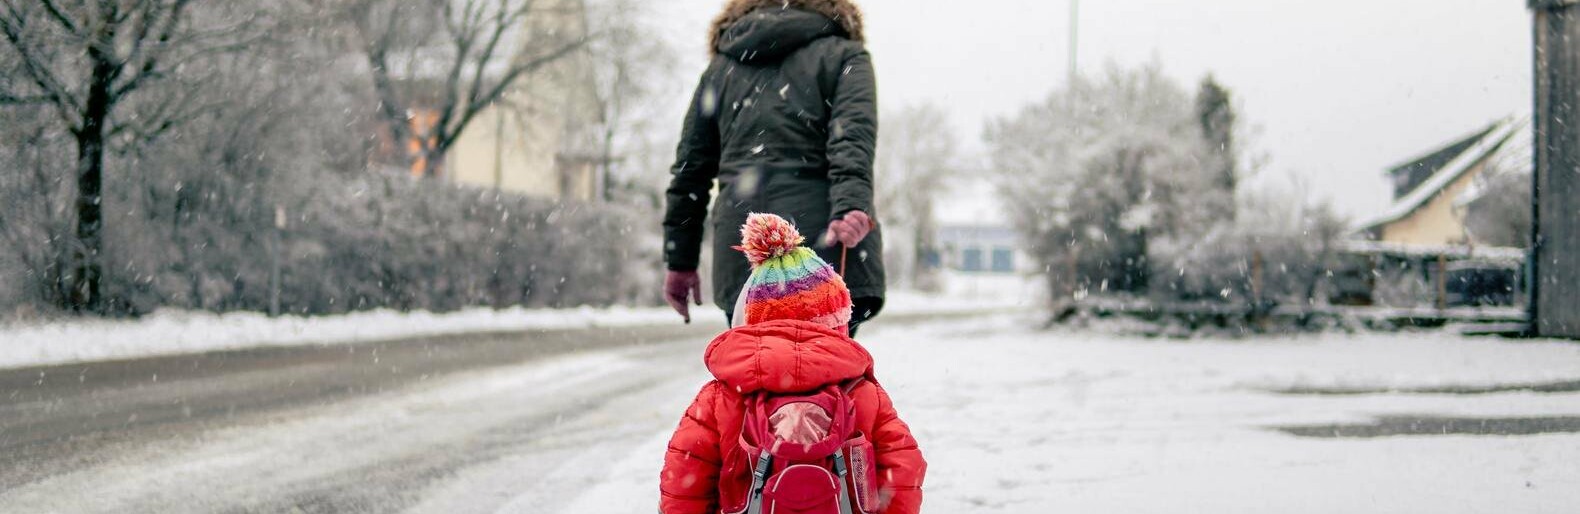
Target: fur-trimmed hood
[844,14]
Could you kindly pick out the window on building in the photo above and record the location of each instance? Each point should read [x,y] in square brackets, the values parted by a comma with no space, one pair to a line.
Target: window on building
[971,259]
[1003,260]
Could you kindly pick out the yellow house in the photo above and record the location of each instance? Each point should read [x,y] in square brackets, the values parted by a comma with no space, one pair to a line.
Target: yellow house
[540,140]
[1427,210]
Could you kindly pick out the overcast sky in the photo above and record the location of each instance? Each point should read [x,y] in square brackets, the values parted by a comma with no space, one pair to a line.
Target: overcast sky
[1338,90]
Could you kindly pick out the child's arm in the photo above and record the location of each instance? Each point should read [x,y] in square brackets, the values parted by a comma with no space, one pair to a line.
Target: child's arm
[900,464]
[689,482]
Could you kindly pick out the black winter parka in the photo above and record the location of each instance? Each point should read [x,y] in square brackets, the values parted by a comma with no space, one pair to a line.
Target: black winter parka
[785,120]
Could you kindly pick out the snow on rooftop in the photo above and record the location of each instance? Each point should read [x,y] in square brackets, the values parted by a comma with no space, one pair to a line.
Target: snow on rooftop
[1466,161]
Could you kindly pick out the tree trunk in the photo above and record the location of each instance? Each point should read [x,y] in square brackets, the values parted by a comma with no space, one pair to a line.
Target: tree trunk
[921,274]
[430,161]
[87,274]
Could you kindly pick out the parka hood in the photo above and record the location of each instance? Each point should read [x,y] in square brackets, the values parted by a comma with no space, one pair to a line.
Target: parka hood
[773,28]
[785,357]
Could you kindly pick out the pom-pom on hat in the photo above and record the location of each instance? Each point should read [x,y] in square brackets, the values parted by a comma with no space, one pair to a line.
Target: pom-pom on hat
[788,281]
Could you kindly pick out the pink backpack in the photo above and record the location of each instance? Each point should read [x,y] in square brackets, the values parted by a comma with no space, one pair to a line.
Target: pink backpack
[809,458]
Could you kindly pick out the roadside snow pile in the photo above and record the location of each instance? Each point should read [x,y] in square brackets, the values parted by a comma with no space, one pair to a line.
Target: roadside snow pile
[176,332]
[180,332]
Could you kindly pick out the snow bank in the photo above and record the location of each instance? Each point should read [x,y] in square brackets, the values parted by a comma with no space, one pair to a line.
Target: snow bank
[176,332]
[181,332]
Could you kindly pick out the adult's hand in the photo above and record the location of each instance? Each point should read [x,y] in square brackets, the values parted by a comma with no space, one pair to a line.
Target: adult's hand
[848,230]
[678,285]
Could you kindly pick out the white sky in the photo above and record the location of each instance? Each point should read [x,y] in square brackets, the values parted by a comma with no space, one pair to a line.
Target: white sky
[1337,90]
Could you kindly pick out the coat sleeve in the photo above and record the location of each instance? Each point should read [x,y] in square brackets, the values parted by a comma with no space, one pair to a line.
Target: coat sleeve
[691,179]
[853,136]
[900,464]
[689,482]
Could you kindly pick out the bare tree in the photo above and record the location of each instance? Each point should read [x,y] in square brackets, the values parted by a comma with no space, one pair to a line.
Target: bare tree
[34,221]
[91,63]
[1500,214]
[631,68]
[916,157]
[454,59]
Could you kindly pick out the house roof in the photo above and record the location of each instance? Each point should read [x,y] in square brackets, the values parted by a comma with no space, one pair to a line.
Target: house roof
[1409,176]
[1517,156]
[1465,160]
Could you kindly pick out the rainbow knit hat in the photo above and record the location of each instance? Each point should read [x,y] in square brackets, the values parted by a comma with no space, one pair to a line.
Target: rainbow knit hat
[788,281]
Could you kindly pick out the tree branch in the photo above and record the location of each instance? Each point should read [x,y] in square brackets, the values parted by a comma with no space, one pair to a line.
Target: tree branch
[59,15]
[145,25]
[11,99]
[476,105]
[12,25]
[390,106]
[463,33]
[503,21]
[150,66]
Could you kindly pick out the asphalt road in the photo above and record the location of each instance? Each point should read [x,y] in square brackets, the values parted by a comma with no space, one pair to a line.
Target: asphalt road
[64,428]
[510,422]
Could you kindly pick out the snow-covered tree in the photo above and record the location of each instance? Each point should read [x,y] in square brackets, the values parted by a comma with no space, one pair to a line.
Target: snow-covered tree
[1100,168]
[1281,249]
[917,157]
[282,125]
[633,68]
[1215,113]
[1500,213]
[115,76]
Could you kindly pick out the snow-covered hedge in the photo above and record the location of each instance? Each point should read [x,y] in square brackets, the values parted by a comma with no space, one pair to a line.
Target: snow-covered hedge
[361,241]
[389,241]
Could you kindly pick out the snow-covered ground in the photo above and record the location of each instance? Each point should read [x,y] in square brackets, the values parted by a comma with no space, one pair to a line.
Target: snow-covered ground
[174,333]
[1012,420]
[1018,421]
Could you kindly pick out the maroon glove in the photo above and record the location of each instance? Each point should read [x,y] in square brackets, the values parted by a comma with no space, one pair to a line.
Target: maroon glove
[679,284]
[848,230]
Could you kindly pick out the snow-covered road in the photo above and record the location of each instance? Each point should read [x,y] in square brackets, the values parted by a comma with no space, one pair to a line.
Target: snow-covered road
[1012,420]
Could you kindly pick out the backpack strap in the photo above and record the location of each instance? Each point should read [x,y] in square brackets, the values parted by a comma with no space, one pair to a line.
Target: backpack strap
[754,498]
[840,472]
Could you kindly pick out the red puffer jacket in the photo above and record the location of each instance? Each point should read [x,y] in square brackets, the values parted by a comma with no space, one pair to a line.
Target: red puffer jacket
[705,469]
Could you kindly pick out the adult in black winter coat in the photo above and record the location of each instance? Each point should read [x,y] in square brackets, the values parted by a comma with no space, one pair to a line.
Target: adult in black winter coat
[785,120]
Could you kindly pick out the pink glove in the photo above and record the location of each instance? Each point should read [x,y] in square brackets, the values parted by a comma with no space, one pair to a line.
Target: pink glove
[849,230]
[679,284]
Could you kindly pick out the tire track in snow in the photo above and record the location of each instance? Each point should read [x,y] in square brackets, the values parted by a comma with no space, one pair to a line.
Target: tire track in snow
[375,454]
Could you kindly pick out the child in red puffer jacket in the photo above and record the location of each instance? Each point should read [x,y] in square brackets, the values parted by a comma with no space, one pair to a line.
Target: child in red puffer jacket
[789,353]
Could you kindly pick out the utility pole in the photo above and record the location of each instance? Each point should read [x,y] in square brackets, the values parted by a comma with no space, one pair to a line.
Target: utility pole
[1554,262]
[1075,39]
